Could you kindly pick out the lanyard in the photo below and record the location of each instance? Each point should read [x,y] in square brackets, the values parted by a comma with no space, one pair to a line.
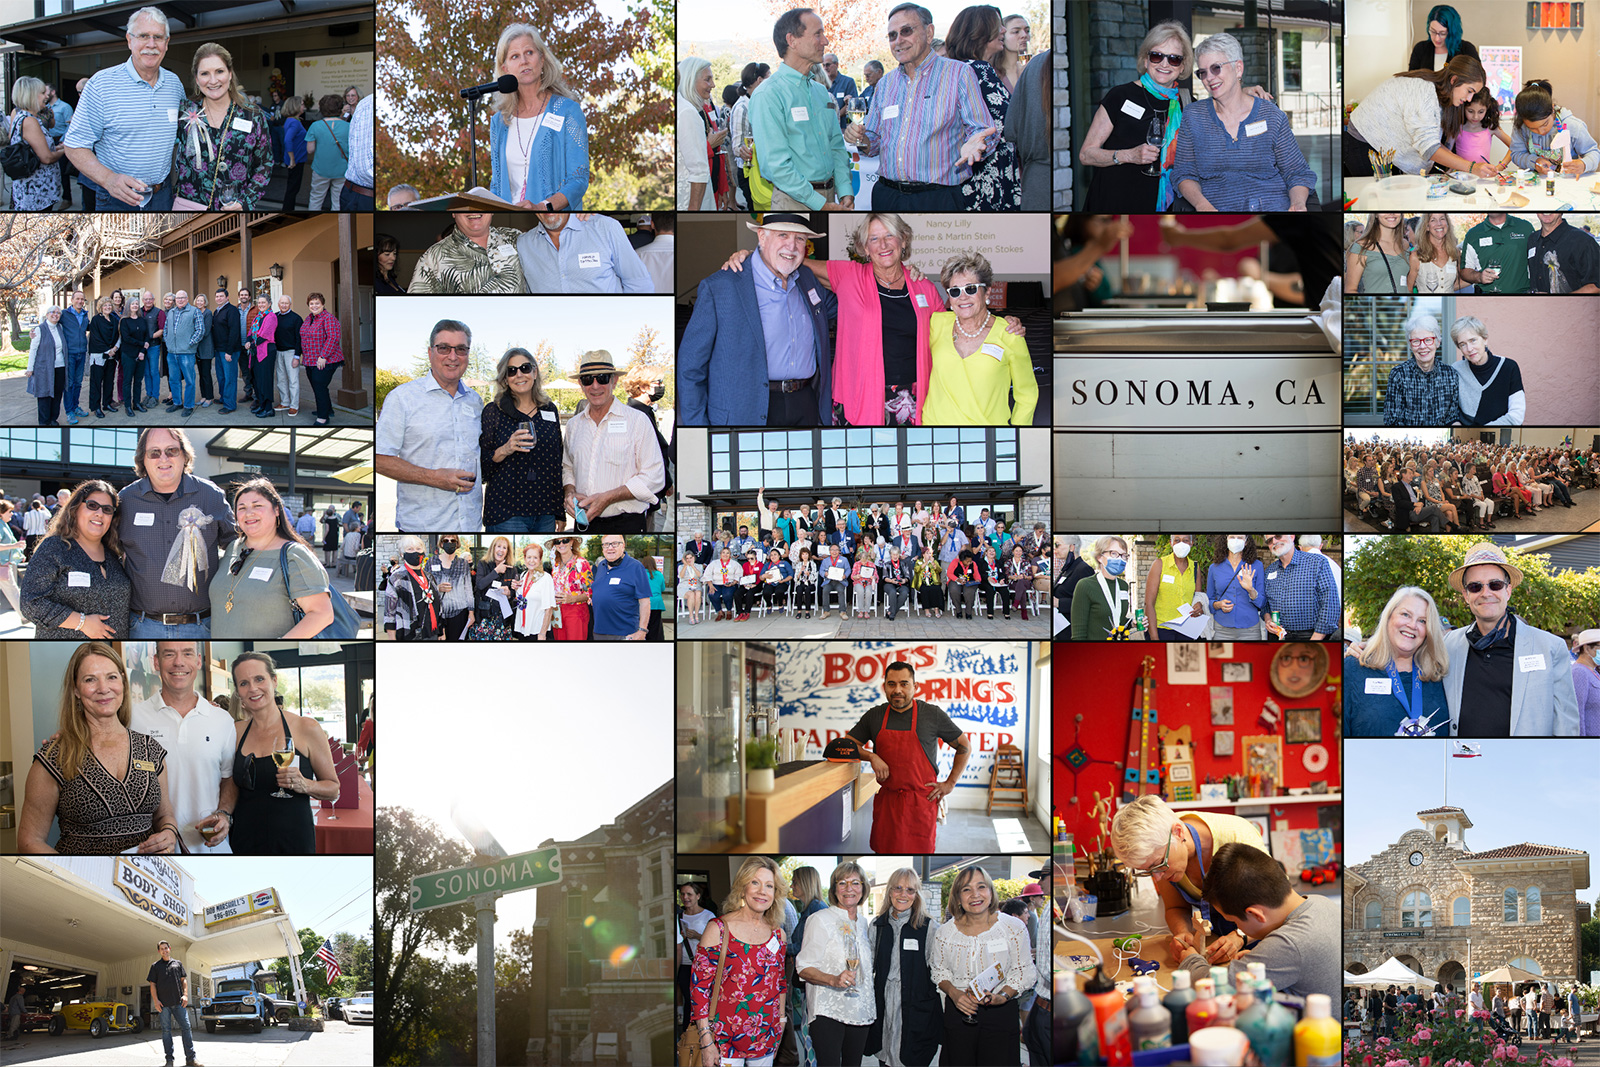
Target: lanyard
[1115,602]
[1413,707]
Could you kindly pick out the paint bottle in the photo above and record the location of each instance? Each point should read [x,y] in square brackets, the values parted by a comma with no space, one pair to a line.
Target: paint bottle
[1111,1018]
[1274,1035]
[1077,1039]
[1318,1036]
[1149,1024]
[1223,987]
[1202,1011]
[1176,1003]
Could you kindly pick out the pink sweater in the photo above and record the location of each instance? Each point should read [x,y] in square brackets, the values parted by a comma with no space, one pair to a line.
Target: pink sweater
[858,356]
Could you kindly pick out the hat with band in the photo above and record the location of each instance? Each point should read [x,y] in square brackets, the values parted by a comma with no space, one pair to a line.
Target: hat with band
[597,362]
[1484,554]
[785,222]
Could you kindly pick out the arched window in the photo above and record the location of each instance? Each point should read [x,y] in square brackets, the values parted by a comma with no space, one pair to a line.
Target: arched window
[1526,964]
[1416,910]
[1533,903]
[1511,905]
[1461,912]
[1374,915]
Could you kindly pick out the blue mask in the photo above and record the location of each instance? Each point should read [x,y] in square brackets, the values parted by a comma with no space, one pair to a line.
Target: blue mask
[1116,566]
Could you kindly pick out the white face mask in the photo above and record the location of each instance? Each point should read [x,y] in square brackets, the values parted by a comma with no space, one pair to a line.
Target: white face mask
[1180,549]
[1235,544]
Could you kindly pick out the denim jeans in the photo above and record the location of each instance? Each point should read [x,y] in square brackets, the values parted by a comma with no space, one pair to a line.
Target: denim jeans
[152,373]
[227,379]
[104,201]
[75,362]
[524,524]
[143,629]
[350,200]
[168,1012]
[181,366]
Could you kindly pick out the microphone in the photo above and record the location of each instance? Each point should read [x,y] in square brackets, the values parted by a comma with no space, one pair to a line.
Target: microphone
[507,83]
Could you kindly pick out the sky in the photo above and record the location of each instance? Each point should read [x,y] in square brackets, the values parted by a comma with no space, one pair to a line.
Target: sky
[570,324]
[1521,790]
[326,893]
[546,756]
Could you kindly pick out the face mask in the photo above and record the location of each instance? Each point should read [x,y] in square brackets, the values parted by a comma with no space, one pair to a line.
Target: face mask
[1283,549]
[413,559]
[1181,549]
[448,546]
[1235,544]
[657,393]
[1116,566]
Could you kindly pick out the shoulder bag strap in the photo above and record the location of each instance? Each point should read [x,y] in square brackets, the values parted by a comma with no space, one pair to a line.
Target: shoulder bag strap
[336,143]
[716,983]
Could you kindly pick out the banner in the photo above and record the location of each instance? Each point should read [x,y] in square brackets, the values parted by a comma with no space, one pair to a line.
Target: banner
[153,885]
[249,904]
[823,689]
[1239,391]
[333,73]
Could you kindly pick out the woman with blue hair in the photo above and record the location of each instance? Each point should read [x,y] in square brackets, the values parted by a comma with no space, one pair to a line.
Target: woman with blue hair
[1444,41]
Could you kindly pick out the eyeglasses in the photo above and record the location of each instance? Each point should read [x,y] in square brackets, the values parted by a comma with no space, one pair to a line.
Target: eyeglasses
[1495,585]
[448,350]
[1422,342]
[591,379]
[1214,70]
[904,31]
[519,368]
[148,38]
[849,883]
[164,453]
[968,289]
[1116,555]
[1157,58]
[108,509]
[1165,856]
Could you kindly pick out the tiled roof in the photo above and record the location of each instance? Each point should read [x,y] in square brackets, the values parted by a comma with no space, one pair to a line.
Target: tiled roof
[1526,850]
[1436,811]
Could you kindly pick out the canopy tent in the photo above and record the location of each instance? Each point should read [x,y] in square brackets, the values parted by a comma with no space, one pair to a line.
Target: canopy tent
[1390,972]
[1509,973]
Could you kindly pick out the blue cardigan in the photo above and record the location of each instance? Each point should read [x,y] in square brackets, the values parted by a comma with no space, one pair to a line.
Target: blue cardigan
[559,161]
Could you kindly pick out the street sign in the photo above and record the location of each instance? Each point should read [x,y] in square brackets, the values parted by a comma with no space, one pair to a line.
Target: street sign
[459,885]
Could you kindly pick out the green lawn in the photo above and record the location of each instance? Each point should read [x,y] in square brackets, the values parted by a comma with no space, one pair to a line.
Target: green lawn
[11,360]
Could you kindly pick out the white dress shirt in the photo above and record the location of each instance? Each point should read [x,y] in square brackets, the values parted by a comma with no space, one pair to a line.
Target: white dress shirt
[619,450]
[199,755]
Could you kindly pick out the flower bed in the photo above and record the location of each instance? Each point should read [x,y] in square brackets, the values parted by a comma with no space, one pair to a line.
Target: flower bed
[1439,1039]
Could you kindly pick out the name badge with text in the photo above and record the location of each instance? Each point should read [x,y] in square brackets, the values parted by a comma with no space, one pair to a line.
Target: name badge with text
[800,114]
[548,414]
[1255,129]
[991,349]
[1485,242]
[1130,108]
[910,945]
[144,518]
[587,260]
[892,111]
[1380,686]
[144,765]
[555,122]
[77,579]
[172,114]
[1272,576]
[243,125]
[1534,662]
[816,298]
[922,300]
[1168,579]
[616,581]
[261,574]
[616,426]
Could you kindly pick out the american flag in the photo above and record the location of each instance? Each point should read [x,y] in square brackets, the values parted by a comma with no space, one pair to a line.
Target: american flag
[329,962]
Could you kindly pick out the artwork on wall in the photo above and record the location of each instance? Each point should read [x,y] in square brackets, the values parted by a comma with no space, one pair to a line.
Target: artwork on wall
[1222,743]
[1236,672]
[1186,664]
[1222,705]
[1220,649]
[1263,757]
[1302,725]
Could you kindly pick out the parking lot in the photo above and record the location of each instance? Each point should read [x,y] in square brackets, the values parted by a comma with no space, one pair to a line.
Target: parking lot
[339,1045]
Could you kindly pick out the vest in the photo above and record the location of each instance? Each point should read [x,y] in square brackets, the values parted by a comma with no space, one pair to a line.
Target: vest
[921,1011]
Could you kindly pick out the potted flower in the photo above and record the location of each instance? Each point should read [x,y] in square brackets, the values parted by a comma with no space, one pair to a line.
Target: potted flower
[761,763]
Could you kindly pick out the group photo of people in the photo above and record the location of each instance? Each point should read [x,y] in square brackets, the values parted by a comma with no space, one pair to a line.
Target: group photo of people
[1437,252]
[787,126]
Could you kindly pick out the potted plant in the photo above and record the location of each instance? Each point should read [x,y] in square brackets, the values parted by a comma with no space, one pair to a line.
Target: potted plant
[761,761]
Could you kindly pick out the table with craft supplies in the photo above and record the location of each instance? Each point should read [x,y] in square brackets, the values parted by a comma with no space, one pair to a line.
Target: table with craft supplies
[1411,193]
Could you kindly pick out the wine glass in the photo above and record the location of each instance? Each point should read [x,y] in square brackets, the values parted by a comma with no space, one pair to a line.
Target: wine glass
[852,960]
[1156,134]
[856,109]
[283,757]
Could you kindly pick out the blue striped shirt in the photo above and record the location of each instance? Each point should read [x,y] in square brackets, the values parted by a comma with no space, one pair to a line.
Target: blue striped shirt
[917,128]
[359,170]
[1262,161]
[1303,594]
[129,125]
[594,257]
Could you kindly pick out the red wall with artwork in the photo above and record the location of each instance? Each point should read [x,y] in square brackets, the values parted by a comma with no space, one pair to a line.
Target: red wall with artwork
[1098,681]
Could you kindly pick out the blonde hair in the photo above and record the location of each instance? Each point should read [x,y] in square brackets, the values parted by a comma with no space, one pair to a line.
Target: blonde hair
[502,539]
[968,875]
[1166,31]
[27,93]
[747,871]
[1104,543]
[901,228]
[211,48]
[1425,249]
[1141,828]
[919,911]
[1430,659]
[807,886]
[73,743]
[552,77]
[847,867]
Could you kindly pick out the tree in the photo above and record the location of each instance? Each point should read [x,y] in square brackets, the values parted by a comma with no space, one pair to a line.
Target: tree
[41,252]
[316,978]
[406,846]
[855,32]
[428,49]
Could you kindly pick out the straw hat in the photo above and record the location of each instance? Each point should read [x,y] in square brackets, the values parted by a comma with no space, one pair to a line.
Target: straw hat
[597,362]
[1484,553]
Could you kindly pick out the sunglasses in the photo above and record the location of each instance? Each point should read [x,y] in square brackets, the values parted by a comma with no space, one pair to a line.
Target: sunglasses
[591,379]
[109,509]
[164,453]
[1157,58]
[1495,585]
[968,289]
[904,31]
[1214,70]
[519,368]
[238,564]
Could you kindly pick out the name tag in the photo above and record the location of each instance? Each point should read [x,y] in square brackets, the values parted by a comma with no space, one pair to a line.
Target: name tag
[615,581]
[1532,252]
[437,567]
[839,95]
[800,114]
[588,259]
[1380,686]
[172,114]
[144,765]
[892,111]
[550,415]
[815,297]
[144,518]
[910,945]
[1534,662]
[616,427]
[243,125]
[77,579]
[1485,242]
[1253,129]
[1130,108]
[1169,579]
[991,349]
[1122,594]
[994,948]
[1272,576]
[263,574]
[555,122]
[922,301]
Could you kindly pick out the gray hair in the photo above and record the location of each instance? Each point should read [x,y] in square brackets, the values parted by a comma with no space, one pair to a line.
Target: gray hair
[53,309]
[452,326]
[152,14]
[1465,323]
[901,228]
[922,13]
[971,262]
[1422,321]
[403,188]
[874,64]
[1224,44]
[413,543]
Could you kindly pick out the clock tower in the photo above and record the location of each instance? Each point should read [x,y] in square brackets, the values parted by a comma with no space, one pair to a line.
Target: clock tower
[1447,825]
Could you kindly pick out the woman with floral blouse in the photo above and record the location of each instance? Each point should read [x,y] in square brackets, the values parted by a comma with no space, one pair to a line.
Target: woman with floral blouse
[745,1023]
[574,578]
[224,152]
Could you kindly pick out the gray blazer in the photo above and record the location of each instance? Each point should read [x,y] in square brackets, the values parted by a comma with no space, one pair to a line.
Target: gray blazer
[1543,702]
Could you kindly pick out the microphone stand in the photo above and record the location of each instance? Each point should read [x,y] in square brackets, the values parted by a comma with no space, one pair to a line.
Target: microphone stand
[472,145]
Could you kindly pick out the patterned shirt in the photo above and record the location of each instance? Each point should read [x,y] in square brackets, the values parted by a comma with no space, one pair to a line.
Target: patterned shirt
[428,427]
[128,123]
[457,265]
[100,815]
[230,165]
[147,526]
[918,125]
[359,170]
[1303,593]
[1261,161]
[1415,397]
[319,340]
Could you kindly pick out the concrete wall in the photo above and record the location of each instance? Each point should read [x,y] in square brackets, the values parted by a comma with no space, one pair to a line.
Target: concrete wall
[1557,368]
[1537,436]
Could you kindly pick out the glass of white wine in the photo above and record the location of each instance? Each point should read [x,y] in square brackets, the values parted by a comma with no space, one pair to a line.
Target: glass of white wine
[856,109]
[283,757]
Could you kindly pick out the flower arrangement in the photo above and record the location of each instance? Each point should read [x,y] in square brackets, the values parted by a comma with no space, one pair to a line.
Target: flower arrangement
[1447,1039]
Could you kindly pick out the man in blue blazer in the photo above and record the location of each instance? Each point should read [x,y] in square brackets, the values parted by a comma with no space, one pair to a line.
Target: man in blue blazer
[757,351]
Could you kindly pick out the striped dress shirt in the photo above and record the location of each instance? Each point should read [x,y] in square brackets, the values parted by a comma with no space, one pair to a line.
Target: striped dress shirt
[358,171]
[917,125]
[128,124]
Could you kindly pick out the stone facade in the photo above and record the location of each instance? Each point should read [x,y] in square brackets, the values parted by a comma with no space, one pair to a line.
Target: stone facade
[1545,930]
[1061,106]
[692,518]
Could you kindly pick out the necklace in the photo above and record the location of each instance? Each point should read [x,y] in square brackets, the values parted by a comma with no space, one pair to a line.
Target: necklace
[527,149]
[987,315]
[888,291]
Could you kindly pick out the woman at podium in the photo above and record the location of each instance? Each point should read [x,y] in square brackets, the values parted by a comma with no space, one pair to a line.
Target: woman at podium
[538,138]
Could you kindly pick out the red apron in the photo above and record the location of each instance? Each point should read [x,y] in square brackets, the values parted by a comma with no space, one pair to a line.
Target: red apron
[904,820]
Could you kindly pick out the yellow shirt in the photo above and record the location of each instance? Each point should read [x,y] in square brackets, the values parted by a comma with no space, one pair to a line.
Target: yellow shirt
[974,391]
[1225,829]
[1173,589]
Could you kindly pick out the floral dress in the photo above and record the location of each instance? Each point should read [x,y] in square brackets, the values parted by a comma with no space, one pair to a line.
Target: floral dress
[226,165]
[575,576]
[996,183]
[749,1009]
[40,190]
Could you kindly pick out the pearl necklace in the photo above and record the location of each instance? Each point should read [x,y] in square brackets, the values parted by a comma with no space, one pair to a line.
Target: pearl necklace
[987,315]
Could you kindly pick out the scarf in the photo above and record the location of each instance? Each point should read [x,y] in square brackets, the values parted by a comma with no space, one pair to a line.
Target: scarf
[1164,195]
[1499,632]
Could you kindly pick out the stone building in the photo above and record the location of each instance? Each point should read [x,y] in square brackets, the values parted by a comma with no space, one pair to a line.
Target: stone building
[1446,911]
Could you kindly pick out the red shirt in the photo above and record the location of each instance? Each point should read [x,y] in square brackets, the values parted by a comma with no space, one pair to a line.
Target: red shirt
[319,337]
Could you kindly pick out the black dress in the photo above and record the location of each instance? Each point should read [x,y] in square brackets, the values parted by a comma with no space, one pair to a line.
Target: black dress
[1125,188]
[1422,54]
[525,484]
[996,183]
[265,825]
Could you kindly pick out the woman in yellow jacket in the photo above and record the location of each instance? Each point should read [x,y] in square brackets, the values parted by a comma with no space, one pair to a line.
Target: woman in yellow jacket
[978,368]
[1169,590]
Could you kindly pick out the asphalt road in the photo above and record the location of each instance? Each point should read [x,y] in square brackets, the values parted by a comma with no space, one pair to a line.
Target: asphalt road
[339,1045]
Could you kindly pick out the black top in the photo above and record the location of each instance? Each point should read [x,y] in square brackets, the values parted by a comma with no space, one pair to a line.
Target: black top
[525,483]
[168,975]
[287,336]
[932,726]
[1125,187]
[62,579]
[382,286]
[1314,239]
[1565,260]
[1486,687]
[1070,576]
[265,824]
[485,577]
[1496,399]
[135,335]
[899,337]
[227,328]
[103,333]
[1422,54]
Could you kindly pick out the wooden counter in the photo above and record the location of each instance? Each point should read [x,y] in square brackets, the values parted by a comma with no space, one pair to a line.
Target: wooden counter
[796,793]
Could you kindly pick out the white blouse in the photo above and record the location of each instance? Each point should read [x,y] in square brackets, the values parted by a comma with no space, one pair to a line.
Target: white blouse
[958,958]
[541,596]
[823,947]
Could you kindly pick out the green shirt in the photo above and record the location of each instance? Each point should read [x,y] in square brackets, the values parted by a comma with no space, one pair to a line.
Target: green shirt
[798,138]
[260,607]
[1506,247]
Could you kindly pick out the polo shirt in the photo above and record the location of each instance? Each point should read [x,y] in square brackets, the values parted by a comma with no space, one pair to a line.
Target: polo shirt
[617,590]
[1506,247]
[1562,261]
[594,257]
[199,755]
[798,137]
[130,125]
[429,428]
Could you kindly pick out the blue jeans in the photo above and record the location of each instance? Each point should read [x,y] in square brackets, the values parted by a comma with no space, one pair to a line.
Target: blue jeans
[152,373]
[182,364]
[168,1012]
[524,524]
[227,379]
[350,200]
[143,629]
[104,201]
[75,362]
[721,597]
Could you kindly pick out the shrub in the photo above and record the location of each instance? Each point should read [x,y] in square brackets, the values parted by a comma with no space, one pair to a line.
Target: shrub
[383,381]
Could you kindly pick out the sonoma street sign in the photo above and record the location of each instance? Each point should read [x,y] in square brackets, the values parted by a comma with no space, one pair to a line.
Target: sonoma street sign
[507,875]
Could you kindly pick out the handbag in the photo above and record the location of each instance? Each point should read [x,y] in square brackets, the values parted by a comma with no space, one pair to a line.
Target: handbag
[689,1040]
[344,627]
[18,159]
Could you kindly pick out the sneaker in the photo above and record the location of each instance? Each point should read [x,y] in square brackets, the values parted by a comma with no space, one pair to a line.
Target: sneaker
[294,411]
[72,419]
[99,414]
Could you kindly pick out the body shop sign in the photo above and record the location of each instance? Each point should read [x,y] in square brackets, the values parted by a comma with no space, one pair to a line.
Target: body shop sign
[153,885]
[1236,391]
[824,689]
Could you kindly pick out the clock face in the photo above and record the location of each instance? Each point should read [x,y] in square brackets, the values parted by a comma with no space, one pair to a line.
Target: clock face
[1416,859]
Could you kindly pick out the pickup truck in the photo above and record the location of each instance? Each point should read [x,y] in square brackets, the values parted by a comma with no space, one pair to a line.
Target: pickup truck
[237,1003]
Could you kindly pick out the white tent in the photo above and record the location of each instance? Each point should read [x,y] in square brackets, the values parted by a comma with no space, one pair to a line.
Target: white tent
[1391,972]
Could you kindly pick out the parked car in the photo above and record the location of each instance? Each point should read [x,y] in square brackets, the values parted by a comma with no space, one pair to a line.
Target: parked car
[36,1017]
[330,1007]
[358,1009]
[99,1018]
[236,1003]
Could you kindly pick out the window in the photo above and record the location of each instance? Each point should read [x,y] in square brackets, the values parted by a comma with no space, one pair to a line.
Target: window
[1291,61]
[1527,964]
[574,905]
[36,444]
[575,967]
[1374,916]
[1533,903]
[1461,912]
[657,883]
[1375,343]
[1511,905]
[1416,910]
[861,458]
